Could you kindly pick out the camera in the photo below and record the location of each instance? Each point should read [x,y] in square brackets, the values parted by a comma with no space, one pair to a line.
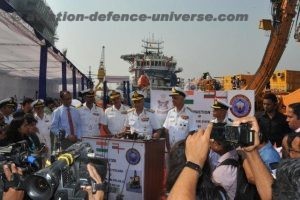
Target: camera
[19,153]
[241,135]
[64,177]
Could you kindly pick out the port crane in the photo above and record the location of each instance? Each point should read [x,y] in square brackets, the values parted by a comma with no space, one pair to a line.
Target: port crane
[283,12]
[101,71]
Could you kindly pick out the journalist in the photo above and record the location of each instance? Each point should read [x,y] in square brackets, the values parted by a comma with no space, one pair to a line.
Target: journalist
[196,150]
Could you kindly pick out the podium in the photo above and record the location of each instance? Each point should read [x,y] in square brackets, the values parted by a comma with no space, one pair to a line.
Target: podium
[135,167]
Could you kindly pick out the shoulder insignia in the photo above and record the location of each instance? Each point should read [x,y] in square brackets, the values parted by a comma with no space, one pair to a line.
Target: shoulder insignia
[150,110]
[130,110]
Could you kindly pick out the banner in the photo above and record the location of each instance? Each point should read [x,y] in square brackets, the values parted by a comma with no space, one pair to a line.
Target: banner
[200,102]
[126,166]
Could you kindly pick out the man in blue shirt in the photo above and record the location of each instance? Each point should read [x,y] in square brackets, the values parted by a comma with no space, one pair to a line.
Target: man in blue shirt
[66,119]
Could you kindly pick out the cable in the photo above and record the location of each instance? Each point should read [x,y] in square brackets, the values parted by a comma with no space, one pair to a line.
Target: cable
[121,193]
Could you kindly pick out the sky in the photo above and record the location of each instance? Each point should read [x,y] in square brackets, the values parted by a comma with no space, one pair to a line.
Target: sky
[221,48]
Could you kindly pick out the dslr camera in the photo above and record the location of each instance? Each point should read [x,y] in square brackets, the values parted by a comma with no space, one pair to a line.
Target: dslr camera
[241,135]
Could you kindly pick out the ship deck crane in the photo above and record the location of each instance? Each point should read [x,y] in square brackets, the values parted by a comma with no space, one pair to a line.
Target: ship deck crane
[283,15]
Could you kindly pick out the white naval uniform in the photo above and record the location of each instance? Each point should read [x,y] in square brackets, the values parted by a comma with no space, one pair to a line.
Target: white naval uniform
[179,124]
[143,124]
[115,119]
[8,119]
[44,126]
[91,120]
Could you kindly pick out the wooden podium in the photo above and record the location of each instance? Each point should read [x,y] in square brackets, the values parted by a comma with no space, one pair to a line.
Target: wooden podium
[135,166]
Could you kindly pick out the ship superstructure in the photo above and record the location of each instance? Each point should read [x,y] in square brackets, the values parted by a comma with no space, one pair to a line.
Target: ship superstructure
[159,69]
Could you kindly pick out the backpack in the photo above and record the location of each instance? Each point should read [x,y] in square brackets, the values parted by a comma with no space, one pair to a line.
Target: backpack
[244,190]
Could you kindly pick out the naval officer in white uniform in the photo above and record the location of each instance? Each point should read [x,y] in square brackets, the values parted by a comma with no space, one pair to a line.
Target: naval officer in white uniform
[92,116]
[115,116]
[180,120]
[141,120]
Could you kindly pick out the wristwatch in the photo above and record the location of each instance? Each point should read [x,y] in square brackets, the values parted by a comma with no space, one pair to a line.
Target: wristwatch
[99,187]
[194,166]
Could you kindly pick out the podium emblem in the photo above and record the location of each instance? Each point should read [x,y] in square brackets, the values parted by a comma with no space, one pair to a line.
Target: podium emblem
[133,157]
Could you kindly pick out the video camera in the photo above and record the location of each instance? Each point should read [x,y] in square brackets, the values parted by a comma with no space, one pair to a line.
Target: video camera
[64,178]
[19,153]
[241,135]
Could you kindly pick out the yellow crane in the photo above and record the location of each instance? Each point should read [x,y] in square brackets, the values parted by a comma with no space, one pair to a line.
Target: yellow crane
[283,12]
[101,71]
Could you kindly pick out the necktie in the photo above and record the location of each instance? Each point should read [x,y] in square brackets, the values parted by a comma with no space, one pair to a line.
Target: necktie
[71,125]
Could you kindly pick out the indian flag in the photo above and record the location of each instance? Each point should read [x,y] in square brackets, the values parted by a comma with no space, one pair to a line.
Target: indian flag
[102,146]
[187,100]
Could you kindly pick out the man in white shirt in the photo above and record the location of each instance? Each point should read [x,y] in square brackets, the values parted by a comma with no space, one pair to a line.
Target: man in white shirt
[7,107]
[180,120]
[141,120]
[92,117]
[115,116]
[43,123]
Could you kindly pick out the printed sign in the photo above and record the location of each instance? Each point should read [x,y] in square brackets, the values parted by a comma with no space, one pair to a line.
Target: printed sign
[126,163]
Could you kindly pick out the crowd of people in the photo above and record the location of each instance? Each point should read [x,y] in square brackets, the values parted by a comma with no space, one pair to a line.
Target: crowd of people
[200,164]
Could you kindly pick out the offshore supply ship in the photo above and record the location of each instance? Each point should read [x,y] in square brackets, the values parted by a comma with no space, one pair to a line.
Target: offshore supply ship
[151,69]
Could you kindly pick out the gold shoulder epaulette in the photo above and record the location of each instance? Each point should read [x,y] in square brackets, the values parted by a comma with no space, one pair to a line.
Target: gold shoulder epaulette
[130,110]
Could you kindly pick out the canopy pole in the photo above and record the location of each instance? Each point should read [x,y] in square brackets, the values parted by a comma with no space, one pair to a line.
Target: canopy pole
[64,75]
[82,82]
[74,82]
[43,72]
[128,94]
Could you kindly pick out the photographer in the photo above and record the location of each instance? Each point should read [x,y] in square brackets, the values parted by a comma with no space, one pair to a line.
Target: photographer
[262,176]
[225,175]
[11,193]
[196,150]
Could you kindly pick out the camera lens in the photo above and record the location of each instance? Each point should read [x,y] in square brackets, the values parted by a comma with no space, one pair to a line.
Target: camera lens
[41,184]
[38,188]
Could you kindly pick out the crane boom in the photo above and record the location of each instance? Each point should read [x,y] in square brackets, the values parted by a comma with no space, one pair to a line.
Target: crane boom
[275,48]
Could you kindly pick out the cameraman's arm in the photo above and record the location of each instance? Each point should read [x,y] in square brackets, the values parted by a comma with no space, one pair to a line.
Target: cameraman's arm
[248,172]
[263,178]
[99,195]
[196,151]
[12,193]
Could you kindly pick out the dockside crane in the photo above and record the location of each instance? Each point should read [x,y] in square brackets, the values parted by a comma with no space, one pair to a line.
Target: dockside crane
[101,71]
[283,13]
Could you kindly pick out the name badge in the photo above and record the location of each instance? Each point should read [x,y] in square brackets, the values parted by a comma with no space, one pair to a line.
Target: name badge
[145,119]
[185,117]
[96,114]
